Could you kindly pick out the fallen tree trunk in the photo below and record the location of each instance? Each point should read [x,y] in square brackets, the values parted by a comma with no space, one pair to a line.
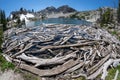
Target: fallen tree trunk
[51,72]
[16,46]
[95,74]
[47,62]
[63,46]
[100,63]
[75,67]
[106,65]
[66,39]
[20,52]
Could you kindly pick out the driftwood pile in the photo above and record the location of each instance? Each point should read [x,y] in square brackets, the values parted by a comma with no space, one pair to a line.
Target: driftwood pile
[60,51]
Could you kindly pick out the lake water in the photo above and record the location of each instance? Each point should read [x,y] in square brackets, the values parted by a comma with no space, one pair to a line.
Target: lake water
[59,21]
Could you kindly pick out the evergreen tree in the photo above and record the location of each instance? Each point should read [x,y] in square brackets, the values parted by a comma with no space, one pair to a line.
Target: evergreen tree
[0,16]
[101,12]
[21,9]
[32,10]
[106,16]
[18,21]
[118,12]
[3,19]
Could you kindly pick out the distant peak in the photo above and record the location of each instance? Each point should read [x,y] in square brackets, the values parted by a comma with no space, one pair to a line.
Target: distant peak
[64,6]
[51,9]
[66,9]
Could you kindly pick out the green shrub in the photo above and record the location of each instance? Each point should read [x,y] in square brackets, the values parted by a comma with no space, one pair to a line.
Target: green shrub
[114,32]
[4,65]
[80,78]
[111,73]
[106,16]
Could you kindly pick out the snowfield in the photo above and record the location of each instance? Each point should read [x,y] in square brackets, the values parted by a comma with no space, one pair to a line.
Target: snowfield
[25,17]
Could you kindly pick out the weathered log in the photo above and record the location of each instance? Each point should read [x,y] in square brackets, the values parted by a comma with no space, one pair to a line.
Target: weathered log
[27,47]
[106,65]
[75,67]
[64,46]
[79,75]
[51,72]
[100,63]
[93,57]
[11,44]
[116,75]
[36,36]
[8,58]
[53,53]
[46,62]
[66,39]
[17,45]
[98,53]
[22,30]
[95,74]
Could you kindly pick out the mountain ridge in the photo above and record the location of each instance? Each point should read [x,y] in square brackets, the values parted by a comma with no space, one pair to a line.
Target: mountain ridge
[52,9]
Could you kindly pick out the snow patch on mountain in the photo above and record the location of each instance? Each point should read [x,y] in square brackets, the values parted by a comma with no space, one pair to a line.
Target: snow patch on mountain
[26,17]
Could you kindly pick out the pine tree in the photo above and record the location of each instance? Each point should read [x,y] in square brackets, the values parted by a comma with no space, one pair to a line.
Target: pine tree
[118,12]
[18,21]
[1,29]
[21,9]
[106,17]
[32,10]
[3,19]
[0,16]
[101,12]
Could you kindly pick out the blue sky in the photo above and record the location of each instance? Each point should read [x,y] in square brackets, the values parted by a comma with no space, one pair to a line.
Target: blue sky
[80,5]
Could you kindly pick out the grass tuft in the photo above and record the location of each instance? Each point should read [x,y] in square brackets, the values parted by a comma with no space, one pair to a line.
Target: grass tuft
[114,32]
[80,78]
[5,65]
[111,73]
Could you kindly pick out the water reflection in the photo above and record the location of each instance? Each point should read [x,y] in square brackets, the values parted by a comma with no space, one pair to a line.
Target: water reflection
[58,21]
